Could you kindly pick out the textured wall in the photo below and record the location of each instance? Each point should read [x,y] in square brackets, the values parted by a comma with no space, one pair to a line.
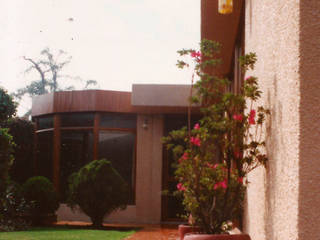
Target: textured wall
[309,196]
[149,169]
[272,31]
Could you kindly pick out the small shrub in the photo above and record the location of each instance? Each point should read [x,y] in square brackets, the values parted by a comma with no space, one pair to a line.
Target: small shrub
[13,208]
[39,192]
[98,190]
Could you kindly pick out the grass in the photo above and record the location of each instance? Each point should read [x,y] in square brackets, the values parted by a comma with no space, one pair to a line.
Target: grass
[65,233]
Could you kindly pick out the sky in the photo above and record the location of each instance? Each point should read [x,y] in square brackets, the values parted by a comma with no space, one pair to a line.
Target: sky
[115,42]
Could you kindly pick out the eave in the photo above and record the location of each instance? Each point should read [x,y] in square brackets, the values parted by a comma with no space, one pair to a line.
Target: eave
[223,29]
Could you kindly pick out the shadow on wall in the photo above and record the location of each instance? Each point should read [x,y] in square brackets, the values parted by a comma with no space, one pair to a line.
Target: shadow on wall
[275,140]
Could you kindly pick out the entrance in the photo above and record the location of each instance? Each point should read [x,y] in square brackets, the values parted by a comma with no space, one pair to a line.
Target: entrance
[172,207]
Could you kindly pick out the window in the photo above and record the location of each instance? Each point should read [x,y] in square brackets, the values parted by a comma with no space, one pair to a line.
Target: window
[76,151]
[119,148]
[77,120]
[45,122]
[115,120]
[45,154]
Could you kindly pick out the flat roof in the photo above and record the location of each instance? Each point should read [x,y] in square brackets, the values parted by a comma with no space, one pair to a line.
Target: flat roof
[145,98]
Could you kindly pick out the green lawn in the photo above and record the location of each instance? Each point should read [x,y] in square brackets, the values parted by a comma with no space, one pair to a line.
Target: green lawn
[65,233]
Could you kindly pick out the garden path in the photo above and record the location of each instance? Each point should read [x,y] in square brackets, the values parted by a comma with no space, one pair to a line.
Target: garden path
[146,232]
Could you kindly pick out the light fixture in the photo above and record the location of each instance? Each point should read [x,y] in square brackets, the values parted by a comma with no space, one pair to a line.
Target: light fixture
[225,6]
[145,123]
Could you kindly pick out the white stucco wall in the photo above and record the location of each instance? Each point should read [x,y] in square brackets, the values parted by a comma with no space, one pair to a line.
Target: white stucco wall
[272,204]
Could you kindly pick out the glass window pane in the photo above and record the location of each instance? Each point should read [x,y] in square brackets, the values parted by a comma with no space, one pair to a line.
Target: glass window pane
[45,154]
[113,120]
[76,151]
[77,120]
[119,149]
[45,122]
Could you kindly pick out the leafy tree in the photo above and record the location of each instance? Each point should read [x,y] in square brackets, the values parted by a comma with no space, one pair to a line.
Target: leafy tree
[22,131]
[8,107]
[7,110]
[98,190]
[49,67]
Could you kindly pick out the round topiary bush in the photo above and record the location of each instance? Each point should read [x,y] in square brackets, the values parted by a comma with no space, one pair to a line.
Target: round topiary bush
[40,193]
[98,190]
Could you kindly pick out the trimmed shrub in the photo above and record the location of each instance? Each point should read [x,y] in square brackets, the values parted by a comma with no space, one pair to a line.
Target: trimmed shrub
[39,192]
[98,190]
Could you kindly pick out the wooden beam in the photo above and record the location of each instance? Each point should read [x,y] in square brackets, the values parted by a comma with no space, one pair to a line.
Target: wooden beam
[96,135]
[56,151]
[35,148]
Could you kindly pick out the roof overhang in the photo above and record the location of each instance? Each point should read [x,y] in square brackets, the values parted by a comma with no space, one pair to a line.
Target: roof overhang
[145,98]
[223,29]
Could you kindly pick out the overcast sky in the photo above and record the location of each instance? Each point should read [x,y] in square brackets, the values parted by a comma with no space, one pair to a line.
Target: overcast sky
[116,42]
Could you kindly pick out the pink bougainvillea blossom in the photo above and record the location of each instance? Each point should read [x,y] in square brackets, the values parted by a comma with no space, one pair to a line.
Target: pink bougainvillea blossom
[240,180]
[251,117]
[238,117]
[212,166]
[196,54]
[195,141]
[183,157]
[247,78]
[222,184]
[196,126]
[180,187]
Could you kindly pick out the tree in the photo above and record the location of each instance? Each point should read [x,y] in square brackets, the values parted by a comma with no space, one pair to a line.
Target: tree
[22,131]
[50,68]
[7,110]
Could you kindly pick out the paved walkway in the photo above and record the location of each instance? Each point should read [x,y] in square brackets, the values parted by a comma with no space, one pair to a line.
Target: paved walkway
[145,232]
[156,232]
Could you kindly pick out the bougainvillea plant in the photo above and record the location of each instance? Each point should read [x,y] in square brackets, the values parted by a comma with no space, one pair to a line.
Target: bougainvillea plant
[215,155]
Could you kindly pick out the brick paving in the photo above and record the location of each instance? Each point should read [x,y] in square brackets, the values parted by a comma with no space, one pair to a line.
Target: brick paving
[156,232]
[144,232]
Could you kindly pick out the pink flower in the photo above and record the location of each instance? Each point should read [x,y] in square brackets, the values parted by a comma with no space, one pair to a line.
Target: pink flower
[180,187]
[252,116]
[238,117]
[222,184]
[196,54]
[183,157]
[247,78]
[212,166]
[196,126]
[240,180]
[195,141]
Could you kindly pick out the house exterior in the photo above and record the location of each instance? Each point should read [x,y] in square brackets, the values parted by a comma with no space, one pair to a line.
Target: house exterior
[283,200]
[75,127]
